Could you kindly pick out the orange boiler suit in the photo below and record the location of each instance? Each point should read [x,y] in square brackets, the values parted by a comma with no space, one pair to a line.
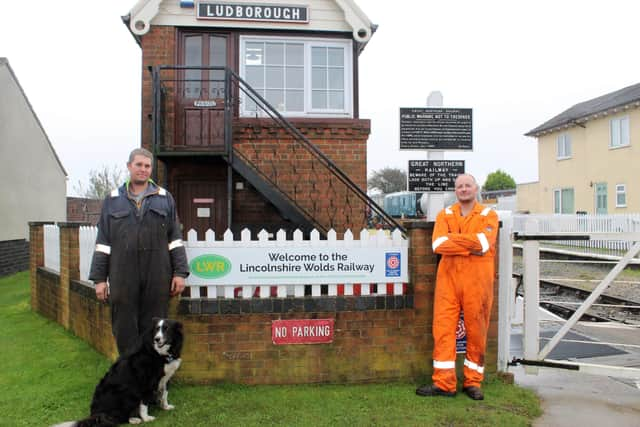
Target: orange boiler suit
[464,281]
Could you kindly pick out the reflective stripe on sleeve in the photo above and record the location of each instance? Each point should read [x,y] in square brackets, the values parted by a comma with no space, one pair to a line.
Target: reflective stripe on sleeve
[483,241]
[448,210]
[439,241]
[485,211]
[471,365]
[105,249]
[175,244]
[114,193]
[444,364]
[162,191]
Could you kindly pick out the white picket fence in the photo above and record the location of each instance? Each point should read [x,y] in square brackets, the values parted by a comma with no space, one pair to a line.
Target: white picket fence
[87,236]
[615,223]
[52,247]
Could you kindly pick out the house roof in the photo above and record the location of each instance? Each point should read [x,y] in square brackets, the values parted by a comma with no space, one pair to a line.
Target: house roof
[142,13]
[588,110]
[4,62]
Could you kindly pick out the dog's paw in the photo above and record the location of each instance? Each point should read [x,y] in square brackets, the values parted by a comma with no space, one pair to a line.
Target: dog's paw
[167,406]
[135,420]
[148,418]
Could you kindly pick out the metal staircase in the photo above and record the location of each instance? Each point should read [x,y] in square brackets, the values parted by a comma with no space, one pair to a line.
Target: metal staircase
[307,187]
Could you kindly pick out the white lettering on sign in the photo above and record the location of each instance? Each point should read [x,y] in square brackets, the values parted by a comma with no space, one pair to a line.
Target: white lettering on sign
[311,331]
[272,12]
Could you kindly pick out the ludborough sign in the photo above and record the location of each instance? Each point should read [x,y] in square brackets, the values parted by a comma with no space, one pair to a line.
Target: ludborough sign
[252,12]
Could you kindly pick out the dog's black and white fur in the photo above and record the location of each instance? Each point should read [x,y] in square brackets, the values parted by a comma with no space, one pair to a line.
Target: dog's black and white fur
[137,379]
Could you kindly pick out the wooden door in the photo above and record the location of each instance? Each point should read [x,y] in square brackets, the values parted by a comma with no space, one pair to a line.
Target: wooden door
[202,205]
[200,118]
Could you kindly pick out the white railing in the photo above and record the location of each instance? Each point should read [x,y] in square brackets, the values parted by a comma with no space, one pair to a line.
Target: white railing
[52,247]
[291,285]
[87,236]
[560,223]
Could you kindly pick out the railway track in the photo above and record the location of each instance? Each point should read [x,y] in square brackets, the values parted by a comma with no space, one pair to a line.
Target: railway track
[564,299]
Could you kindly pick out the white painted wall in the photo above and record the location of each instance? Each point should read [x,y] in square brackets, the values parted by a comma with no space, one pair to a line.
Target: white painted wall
[32,180]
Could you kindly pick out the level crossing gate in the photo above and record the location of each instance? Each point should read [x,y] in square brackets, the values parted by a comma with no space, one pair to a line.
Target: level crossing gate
[533,354]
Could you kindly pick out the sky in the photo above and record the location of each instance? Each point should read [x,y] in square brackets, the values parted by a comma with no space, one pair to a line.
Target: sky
[516,64]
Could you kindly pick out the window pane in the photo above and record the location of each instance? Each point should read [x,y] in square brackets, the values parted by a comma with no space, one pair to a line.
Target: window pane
[318,78]
[567,201]
[615,133]
[275,53]
[193,57]
[624,131]
[336,100]
[295,54]
[319,99]
[295,100]
[295,78]
[275,77]
[254,54]
[255,76]
[336,78]
[319,56]
[556,201]
[217,51]
[252,106]
[276,99]
[336,56]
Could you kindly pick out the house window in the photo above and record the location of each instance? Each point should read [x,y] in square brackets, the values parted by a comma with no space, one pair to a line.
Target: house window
[563,146]
[563,201]
[619,132]
[298,77]
[621,196]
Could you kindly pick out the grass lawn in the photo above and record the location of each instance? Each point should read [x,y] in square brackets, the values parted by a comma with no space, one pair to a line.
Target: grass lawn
[47,376]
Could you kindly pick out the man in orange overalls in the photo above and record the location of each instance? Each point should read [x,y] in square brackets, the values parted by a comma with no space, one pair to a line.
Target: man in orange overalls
[465,236]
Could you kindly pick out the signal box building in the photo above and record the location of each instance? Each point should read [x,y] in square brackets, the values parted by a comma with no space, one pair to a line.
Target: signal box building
[251,110]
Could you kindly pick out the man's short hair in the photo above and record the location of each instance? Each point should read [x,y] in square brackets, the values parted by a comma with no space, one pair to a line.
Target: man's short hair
[140,152]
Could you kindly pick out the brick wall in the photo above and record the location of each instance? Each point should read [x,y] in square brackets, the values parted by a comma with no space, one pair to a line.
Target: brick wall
[313,187]
[14,256]
[80,209]
[376,339]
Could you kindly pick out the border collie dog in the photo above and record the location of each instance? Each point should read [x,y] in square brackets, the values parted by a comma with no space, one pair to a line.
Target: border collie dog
[137,379]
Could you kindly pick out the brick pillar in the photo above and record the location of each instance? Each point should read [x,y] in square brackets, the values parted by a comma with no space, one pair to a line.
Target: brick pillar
[69,265]
[422,270]
[36,257]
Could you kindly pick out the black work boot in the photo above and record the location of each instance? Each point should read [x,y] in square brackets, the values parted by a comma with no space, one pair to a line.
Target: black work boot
[432,390]
[474,392]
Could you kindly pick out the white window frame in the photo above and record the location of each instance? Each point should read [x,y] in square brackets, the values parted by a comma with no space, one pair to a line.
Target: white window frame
[619,132]
[309,42]
[621,190]
[563,146]
[557,192]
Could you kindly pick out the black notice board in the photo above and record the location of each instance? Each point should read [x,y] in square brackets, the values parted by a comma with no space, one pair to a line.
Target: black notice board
[436,129]
[434,175]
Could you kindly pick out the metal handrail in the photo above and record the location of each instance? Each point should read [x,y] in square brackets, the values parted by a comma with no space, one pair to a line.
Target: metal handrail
[279,119]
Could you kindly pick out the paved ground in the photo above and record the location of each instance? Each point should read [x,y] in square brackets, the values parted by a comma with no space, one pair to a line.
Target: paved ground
[572,398]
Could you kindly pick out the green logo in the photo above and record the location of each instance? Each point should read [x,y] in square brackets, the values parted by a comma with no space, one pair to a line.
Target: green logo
[210,266]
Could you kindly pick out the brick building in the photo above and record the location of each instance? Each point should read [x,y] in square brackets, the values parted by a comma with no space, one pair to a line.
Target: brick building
[251,110]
